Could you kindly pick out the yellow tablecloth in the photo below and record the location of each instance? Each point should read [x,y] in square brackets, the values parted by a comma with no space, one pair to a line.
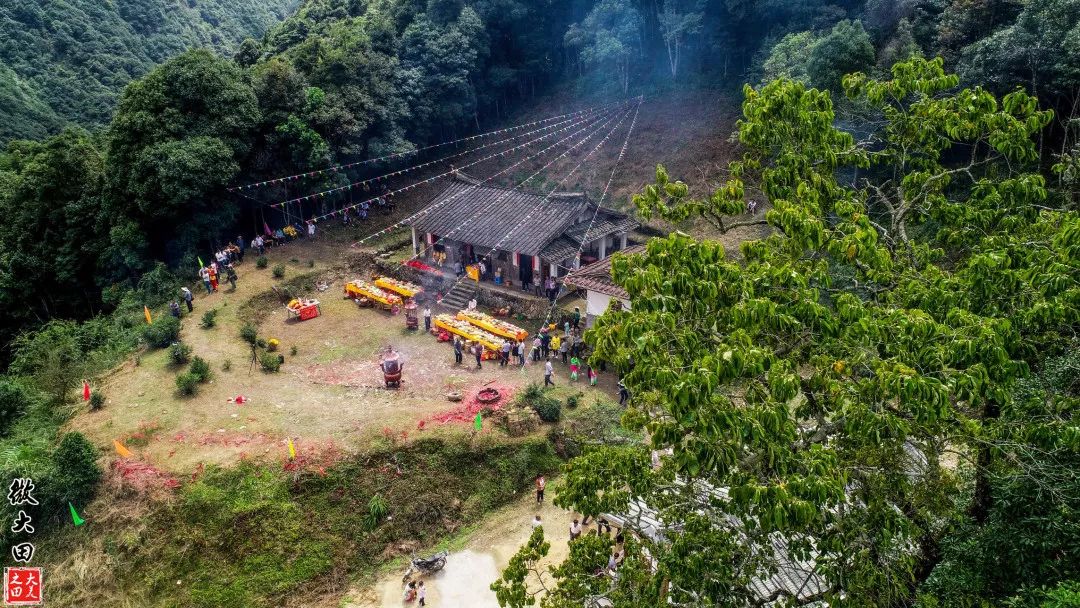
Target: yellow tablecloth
[363,288]
[468,331]
[403,288]
[473,272]
[493,325]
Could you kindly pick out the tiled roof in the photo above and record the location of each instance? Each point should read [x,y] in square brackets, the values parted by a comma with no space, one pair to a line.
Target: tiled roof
[560,249]
[597,276]
[484,215]
[603,225]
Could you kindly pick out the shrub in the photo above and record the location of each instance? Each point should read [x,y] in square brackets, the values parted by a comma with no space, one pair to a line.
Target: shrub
[162,332]
[573,400]
[292,351]
[261,262]
[179,353]
[76,472]
[294,261]
[270,362]
[97,400]
[377,511]
[279,271]
[187,384]
[549,410]
[200,369]
[249,333]
[209,318]
[226,365]
[14,399]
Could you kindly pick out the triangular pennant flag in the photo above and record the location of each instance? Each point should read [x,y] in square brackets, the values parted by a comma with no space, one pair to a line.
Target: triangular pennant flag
[146,313]
[75,516]
[85,390]
[121,450]
[201,265]
[478,423]
[292,449]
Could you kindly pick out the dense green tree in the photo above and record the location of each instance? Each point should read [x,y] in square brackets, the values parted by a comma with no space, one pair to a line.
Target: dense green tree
[50,239]
[1037,51]
[678,21]
[814,394]
[846,48]
[610,39]
[789,57]
[178,139]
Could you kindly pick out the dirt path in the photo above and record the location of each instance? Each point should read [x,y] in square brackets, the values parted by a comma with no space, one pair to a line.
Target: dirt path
[469,571]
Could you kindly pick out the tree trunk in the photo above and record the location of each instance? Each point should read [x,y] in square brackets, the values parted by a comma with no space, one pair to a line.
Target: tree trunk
[983,498]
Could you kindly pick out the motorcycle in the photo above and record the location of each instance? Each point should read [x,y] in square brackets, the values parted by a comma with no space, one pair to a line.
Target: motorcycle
[426,566]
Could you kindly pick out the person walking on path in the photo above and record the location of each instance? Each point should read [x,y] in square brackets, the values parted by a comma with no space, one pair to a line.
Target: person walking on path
[563,350]
[240,248]
[624,395]
[311,229]
[213,276]
[427,318]
[548,371]
[575,363]
[521,354]
[541,483]
[185,293]
[575,529]
[545,344]
[576,318]
[555,342]
[504,360]
[536,349]
[592,375]
[204,274]
[174,309]
[478,350]
[421,593]
[457,350]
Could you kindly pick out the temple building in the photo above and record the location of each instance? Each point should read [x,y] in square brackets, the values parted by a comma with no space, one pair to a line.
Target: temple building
[518,234]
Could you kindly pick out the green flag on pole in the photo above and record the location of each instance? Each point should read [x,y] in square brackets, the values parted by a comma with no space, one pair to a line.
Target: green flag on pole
[478,423]
[75,516]
[201,265]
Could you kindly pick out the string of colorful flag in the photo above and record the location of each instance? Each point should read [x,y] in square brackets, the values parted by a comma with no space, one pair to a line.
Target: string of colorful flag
[447,200]
[397,155]
[603,195]
[330,191]
[482,212]
[387,176]
[547,197]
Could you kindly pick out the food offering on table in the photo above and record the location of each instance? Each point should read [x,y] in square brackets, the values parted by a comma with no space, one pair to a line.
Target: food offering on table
[363,289]
[496,326]
[402,288]
[303,308]
[468,331]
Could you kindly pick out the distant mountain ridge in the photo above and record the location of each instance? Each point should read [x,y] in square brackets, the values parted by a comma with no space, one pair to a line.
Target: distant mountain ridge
[66,61]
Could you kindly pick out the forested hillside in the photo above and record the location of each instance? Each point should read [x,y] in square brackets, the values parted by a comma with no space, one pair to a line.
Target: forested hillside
[66,62]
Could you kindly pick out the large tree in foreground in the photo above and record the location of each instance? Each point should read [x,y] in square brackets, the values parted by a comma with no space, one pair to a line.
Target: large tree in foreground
[857,389]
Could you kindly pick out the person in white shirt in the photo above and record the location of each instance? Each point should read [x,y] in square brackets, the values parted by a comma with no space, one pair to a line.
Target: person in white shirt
[472,304]
[427,319]
[421,594]
[536,523]
[575,530]
[311,230]
[548,371]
